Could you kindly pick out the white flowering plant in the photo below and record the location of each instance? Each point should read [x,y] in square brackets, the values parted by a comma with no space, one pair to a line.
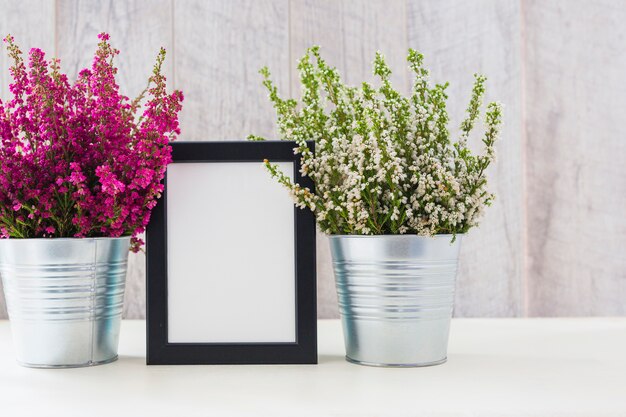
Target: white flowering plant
[384,163]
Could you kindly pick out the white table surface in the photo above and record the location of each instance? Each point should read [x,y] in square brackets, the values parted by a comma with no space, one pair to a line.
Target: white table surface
[496,367]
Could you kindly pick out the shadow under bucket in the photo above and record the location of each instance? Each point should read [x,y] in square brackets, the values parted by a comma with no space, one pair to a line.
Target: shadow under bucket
[396,297]
[64,298]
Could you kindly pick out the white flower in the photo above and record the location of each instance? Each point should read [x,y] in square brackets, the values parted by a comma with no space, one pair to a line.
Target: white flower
[384,163]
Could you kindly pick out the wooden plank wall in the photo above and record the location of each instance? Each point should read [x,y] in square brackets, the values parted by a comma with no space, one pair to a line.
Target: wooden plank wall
[576,153]
[219,47]
[31,23]
[138,32]
[527,49]
[349,33]
[459,39]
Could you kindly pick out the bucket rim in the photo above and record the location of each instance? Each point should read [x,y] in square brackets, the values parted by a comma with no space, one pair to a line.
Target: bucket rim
[62,239]
[403,236]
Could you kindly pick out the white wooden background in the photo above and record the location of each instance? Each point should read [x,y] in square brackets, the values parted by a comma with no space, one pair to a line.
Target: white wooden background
[552,244]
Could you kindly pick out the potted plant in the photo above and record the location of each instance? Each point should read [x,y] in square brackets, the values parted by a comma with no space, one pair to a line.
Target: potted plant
[80,170]
[395,194]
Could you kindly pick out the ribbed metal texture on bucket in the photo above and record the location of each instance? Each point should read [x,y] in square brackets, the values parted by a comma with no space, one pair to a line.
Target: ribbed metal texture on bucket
[64,298]
[396,296]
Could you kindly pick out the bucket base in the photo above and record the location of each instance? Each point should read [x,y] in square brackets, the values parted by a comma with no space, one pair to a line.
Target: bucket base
[397,365]
[79,365]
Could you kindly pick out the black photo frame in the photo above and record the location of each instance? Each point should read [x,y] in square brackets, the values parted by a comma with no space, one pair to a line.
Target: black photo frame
[161,349]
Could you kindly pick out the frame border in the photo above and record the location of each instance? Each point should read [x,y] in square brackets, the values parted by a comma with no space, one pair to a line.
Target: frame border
[304,350]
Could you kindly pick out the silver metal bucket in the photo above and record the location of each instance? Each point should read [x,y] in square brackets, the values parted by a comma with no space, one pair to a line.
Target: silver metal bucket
[65,299]
[396,296]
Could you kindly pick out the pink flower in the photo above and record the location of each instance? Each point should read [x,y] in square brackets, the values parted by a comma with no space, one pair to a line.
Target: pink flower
[77,177]
[110,184]
[81,159]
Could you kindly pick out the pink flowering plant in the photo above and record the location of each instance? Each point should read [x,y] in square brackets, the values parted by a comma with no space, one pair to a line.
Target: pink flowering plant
[81,159]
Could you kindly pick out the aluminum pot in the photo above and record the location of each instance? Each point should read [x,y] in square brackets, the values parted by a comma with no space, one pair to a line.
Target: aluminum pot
[396,296]
[64,298]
